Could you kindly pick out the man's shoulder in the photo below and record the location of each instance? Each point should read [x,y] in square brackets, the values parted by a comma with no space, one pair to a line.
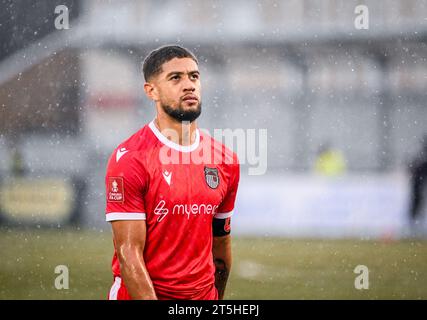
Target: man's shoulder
[133,148]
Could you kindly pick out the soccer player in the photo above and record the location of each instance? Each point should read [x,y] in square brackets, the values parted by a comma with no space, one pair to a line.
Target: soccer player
[170,192]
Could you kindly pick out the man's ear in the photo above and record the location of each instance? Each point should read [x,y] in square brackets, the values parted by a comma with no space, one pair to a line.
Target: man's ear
[151,91]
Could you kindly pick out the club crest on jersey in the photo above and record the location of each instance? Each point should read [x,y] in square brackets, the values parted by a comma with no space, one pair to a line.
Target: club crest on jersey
[212,177]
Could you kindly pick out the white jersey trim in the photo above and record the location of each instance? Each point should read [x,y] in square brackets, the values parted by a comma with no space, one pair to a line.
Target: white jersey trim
[223,215]
[113,216]
[115,289]
[172,144]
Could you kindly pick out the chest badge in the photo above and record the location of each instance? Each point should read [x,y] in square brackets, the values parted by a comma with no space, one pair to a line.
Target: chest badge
[212,177]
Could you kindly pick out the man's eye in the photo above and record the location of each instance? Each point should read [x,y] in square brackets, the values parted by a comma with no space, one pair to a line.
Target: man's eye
[175,78]
[195,76]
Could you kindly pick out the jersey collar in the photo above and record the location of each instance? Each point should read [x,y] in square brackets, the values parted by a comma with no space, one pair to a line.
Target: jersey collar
[172,144]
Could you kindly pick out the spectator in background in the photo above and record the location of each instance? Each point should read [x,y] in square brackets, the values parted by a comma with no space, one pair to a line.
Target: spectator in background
[418,176]
[329,162]
[17,163]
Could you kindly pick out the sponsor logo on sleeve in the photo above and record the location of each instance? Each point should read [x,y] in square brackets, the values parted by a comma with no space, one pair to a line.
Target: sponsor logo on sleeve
[115,189]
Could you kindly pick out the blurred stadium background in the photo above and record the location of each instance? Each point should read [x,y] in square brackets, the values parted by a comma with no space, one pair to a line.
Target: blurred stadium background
[298,68]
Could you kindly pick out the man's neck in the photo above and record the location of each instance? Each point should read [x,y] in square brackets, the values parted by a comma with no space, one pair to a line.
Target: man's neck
[182,133]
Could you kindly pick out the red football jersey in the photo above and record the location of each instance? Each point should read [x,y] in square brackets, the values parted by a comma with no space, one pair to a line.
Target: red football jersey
[178,190]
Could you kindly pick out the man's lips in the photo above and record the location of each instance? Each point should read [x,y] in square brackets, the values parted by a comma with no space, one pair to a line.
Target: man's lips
[190,98]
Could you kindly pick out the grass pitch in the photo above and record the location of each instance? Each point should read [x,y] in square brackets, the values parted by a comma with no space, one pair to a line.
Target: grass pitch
[263,268]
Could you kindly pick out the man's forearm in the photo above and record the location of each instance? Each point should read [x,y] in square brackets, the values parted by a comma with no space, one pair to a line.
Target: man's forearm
[136,278]
[222,258]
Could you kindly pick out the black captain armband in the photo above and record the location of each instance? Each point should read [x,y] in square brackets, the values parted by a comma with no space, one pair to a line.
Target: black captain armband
[221,227]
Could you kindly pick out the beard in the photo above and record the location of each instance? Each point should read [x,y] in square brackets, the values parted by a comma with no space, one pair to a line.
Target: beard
[181,115]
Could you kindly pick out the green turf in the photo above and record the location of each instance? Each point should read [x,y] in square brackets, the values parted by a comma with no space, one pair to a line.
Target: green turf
[264,268]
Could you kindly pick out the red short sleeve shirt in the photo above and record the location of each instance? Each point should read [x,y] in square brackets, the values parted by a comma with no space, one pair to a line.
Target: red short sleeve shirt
[177,190]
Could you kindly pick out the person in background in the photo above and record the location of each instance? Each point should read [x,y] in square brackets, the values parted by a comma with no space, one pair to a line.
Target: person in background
[418,176]
[17,167]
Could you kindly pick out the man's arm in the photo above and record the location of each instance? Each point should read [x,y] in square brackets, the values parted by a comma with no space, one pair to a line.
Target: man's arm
[221,250]
[129,239]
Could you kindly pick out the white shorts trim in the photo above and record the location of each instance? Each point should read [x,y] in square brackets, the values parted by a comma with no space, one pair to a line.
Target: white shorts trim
[113,216]
[223,215]
[115,288]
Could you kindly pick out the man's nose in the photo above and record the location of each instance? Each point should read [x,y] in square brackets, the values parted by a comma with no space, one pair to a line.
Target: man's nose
[189,85]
